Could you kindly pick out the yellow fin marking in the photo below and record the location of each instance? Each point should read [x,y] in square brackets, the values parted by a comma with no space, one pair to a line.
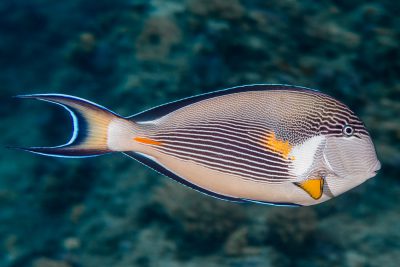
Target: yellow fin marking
[280,146]
[313,187]
[147,141]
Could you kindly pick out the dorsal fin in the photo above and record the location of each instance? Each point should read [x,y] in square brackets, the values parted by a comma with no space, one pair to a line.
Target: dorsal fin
[162,110]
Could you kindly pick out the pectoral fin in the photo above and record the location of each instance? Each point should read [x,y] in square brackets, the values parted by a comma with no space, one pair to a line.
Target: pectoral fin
[313,187]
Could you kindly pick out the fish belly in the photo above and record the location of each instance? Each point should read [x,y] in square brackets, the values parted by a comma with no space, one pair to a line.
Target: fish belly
[233,185]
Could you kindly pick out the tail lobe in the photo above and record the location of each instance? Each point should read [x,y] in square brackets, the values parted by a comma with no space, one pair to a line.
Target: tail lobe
[90,127]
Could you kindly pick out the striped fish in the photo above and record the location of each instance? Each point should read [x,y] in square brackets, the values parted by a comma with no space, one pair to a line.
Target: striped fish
[272,144]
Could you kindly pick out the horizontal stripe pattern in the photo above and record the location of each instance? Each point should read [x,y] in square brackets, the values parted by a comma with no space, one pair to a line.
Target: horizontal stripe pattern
[228,147]
[231,140]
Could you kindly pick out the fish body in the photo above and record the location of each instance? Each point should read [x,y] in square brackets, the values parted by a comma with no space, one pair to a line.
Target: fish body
[274,144]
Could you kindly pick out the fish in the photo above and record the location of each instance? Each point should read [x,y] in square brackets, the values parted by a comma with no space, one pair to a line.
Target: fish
[274,144]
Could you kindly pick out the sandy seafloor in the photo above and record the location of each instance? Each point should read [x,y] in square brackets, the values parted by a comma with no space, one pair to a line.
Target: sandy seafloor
[130,55]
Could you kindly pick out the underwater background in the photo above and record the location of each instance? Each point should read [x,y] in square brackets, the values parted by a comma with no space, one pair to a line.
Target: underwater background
[130,55]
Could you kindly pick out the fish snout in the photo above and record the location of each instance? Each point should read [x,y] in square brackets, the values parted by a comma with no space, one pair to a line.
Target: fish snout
[375,168]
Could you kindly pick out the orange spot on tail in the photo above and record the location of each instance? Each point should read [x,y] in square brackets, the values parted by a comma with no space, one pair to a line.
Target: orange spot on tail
[147,141]
[276,145]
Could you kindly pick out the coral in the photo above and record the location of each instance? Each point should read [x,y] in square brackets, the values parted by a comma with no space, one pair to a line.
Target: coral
[61,189]
[238,244]
[226,9]
[84,51]
[333,33]
[88,55]
[390,259]
[201,223]
[377,116]
[45,262]
[157,38]
[291,229]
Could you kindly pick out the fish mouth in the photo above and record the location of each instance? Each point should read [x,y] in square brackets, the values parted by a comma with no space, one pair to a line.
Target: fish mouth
[376,167]
[374,170]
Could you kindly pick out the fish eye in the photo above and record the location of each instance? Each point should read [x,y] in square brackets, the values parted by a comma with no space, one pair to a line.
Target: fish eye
[348,130]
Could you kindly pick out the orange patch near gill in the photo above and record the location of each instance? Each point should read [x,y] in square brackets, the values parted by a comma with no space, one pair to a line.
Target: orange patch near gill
[147,141]
[276,145]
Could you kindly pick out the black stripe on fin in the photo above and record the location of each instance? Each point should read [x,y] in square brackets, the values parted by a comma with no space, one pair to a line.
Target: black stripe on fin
[90,125]
[160,169]
[162,110]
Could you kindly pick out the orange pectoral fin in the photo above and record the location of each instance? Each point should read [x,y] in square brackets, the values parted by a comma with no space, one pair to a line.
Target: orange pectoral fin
[147,141]
[313,187]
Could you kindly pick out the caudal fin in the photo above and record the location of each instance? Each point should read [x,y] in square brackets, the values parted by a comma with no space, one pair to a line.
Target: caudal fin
[90,127]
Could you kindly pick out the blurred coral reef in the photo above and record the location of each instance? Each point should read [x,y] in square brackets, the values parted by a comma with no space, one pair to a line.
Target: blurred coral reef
[130,55]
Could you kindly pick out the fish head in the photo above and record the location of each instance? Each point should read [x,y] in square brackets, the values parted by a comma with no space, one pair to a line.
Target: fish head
[350,159]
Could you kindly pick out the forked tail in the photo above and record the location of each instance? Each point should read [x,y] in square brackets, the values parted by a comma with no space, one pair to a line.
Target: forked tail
[91,125]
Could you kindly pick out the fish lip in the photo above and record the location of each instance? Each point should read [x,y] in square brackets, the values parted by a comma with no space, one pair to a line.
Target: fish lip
[376,167]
